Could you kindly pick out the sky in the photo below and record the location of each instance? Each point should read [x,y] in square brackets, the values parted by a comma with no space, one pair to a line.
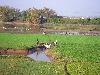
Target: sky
[62,7]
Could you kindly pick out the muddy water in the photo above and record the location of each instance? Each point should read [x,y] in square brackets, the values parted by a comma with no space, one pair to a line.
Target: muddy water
[39,56]
[36,55]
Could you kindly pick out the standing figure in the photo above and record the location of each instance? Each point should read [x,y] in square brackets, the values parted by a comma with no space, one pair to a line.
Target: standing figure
[37,41]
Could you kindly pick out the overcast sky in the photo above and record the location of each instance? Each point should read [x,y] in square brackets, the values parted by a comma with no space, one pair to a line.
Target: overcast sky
[62,7]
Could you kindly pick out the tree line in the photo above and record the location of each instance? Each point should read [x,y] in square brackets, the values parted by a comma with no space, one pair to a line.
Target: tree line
[31,15]
[86,21]
[40,16]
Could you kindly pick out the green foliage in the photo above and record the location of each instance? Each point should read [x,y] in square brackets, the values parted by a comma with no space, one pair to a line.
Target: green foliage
[76,27]
[15,65]
[40,16]
[9,13]
[86,21]
[37,16]
[33,16]
[86,48]
[22,65]
[23,16]
[56,53]
[83,68]
[76,47]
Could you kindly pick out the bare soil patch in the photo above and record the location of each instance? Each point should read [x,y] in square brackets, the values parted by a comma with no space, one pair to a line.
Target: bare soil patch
[15,52]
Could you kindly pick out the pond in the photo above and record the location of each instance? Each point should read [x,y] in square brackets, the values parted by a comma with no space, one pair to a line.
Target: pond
[36,55]
[40,56]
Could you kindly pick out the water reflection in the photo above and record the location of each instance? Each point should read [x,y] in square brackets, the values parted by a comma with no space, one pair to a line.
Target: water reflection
[40,56]
[38,53]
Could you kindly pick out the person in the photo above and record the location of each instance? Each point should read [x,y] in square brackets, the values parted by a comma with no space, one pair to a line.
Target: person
[37,41]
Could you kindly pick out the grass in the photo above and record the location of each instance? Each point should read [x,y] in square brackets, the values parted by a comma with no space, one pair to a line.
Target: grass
[76,47]
[86,48]
[19,41]
[15,65]
[83,68]
[56,54]
[21,65]
[71,27]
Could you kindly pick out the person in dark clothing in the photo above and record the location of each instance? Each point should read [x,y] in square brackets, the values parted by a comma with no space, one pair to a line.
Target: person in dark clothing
[37,41]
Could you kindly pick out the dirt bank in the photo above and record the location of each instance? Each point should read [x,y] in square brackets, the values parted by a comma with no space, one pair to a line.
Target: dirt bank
[15,52]
[51,56]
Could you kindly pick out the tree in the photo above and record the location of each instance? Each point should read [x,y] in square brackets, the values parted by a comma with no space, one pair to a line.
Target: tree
[23,16]
[33,16]
[8,13]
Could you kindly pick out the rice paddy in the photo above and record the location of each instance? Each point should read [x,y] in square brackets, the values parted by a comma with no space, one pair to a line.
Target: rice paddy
[76,47]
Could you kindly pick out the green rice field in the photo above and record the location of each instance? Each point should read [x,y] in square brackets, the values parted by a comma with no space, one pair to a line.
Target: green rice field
[14,65]
[84,50]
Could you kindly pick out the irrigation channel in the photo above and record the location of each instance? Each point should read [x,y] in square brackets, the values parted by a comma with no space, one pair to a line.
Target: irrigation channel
[37,55]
